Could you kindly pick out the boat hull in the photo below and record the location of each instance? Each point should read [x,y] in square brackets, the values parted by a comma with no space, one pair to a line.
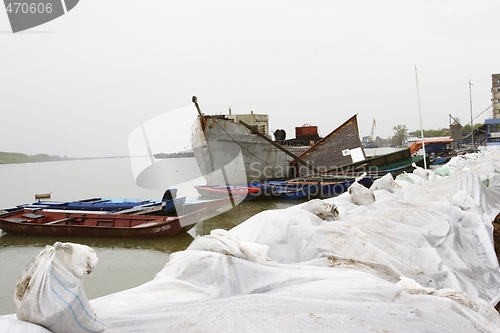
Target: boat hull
[395,163]
[257,191]
[60,224]
[227,153]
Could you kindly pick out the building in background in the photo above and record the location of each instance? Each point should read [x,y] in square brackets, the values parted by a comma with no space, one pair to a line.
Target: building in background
[491,129]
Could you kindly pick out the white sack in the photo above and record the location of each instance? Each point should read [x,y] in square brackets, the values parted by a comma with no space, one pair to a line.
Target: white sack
[223,242]
[360,195]
[386,182]
[464,201]
[322,209]
[421,172]
[50,291]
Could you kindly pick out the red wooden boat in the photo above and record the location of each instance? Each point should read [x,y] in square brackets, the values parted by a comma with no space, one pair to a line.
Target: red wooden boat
[222,191]
[210,205]
[25,221]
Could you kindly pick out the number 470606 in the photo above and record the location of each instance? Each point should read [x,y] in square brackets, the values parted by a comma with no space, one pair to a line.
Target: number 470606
[25,8]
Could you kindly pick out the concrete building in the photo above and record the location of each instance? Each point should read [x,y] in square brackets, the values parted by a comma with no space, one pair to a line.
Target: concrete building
[495,92]
[491,129]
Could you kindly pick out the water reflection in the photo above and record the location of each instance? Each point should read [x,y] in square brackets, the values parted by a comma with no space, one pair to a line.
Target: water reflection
[167,245]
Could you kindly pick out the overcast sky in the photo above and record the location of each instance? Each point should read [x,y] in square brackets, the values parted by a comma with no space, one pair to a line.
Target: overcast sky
[80,84]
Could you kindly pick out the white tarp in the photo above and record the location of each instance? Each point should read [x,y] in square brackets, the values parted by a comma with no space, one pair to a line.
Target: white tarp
[420,258]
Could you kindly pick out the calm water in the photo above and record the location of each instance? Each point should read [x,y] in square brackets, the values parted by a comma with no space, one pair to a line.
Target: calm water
[123,263]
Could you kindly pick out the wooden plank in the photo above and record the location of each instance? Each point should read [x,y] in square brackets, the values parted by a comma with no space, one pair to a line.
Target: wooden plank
[65,221]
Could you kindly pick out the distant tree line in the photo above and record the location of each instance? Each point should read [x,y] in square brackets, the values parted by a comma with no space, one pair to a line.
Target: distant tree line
[401,133]
[7,158]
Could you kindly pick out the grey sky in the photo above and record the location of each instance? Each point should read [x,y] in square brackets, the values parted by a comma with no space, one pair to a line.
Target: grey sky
[86,80]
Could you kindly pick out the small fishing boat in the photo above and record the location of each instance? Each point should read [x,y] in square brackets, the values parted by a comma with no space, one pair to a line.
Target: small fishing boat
[111,205]
[439,160]
[257,190]
[26,221]
[209,205]
[166,206]
[223,191]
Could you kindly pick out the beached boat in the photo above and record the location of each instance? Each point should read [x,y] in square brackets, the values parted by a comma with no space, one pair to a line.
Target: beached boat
[25,221]
[237,149]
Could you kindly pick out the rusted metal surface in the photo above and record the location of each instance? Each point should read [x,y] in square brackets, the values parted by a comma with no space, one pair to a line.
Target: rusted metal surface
[297,158]
[60,224]
[333,150]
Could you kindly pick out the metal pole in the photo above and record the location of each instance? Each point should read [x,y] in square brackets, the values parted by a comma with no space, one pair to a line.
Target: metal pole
[471,120]
[420,113]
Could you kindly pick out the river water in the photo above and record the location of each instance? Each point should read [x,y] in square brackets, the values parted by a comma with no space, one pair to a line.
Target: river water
[123,263]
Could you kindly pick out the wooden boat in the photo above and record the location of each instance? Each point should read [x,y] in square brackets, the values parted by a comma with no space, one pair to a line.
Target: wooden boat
[377,166]
[25,221]
[223,191]
[209,205]
[111,205]
[439,160]
[256,190]
[166,206]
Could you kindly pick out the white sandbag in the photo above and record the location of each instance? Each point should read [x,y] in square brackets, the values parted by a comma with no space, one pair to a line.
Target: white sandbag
[464,201]
[324,210]
[421,172]
[442,171]
[221,241]
[50,290]
[387,183]
[405,177]
[360,195]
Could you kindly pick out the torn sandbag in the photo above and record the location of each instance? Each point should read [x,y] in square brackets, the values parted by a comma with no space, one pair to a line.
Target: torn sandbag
[324,210]
[50,290]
